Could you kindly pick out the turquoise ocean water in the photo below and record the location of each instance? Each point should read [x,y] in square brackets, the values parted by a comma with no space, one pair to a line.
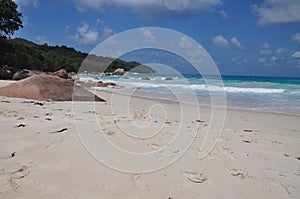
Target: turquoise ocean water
[265,94]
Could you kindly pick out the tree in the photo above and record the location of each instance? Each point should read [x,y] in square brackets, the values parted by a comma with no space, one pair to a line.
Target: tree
[10,18]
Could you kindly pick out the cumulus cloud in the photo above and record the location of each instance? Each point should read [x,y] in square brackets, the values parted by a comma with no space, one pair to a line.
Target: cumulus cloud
[151,6]
[221,42]
[273,59]
[277,11]
[280,50]
[148,35]
[224,15]
[107,32]
[268,61]
[265,49]
[296,37]
[185,43]
[235,42]
[296,55]
[266,45]
[86,35]
[262,60]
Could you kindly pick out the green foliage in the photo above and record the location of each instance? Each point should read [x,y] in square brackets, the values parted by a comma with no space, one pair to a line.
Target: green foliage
[21,54]
[100,64]
[10,18]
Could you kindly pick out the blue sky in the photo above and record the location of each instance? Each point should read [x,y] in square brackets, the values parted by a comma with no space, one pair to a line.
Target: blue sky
[243,37]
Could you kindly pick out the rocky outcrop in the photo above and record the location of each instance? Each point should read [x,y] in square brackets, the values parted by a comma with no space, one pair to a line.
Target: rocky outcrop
[145,78]
[5,73]
[91,84]
[23,74]
[119,71]
[106,84]
[169,78]
[62,73]
[48,88]
[10,73]
[73,76]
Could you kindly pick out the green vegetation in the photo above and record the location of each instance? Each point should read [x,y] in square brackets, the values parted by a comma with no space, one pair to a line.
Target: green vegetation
[10,18]
[21,54]
[106,64]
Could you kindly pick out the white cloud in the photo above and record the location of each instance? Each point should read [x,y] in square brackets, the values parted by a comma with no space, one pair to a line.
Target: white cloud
[185,43]
[268,61]
[265,52]
[277,11]
[296,55]
[107,32]
[152,7]
[266,45]
[221,42]
[273,59]
[296,37]
[99,21]
[280,50]
[262,60]
[85,35]
[34,3]
[224,15]
[265,49]
[42,39]
[235,42]
[148,35]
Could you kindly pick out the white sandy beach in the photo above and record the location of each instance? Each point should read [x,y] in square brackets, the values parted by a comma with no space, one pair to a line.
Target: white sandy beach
[41,155]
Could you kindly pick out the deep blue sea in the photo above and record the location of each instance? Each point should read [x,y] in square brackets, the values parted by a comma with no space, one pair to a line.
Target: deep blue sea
[265,94]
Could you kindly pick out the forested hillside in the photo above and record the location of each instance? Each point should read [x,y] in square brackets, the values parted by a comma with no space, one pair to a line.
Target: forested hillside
[21,54]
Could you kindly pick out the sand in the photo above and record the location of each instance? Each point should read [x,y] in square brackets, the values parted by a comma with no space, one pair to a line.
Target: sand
[42,154]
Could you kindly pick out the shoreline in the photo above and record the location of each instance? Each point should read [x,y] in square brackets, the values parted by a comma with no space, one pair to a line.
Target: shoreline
[202,105]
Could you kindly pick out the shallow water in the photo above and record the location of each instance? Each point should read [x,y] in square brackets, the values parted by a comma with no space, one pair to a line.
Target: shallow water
[267,94]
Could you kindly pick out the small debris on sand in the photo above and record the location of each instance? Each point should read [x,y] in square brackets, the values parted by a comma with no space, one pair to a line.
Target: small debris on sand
[59,131]
[4,101]
[247,141]
[200,121]
[20,126]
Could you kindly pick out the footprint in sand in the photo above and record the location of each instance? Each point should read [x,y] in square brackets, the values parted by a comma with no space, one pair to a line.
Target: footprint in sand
[9,180]
[139,183]
[54,143]
[109,132]
[237,173]
[20,173]
[195,177]
[154,146]
[221,152]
